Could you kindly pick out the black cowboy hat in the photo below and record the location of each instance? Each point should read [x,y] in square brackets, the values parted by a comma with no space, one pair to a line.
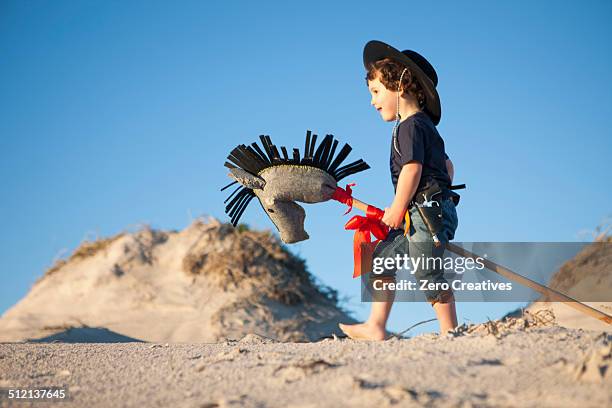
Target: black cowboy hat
[420,67]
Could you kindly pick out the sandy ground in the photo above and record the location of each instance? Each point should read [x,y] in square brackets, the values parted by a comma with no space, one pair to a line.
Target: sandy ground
[151,318]
[539,367]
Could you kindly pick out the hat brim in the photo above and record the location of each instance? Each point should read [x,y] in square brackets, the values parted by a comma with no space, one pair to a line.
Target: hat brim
[377,50]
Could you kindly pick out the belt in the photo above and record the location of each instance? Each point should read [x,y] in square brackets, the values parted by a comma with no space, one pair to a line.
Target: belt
[448,197]
[445,194]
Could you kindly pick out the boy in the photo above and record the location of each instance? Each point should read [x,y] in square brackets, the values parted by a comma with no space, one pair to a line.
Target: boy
[402,85]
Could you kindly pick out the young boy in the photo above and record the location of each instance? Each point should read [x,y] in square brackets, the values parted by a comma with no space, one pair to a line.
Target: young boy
[403,88]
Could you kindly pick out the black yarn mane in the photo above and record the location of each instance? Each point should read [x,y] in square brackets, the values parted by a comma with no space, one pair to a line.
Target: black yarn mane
[253,159]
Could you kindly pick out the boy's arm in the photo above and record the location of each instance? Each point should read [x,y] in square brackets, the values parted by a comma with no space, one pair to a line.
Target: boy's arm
[450,169]
[407,184]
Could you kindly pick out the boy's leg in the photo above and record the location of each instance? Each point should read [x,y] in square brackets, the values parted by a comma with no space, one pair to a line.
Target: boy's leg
[445,309]
[442,301]
[374,327]
[381,308]
[421,244]
[382,300]
[446,313]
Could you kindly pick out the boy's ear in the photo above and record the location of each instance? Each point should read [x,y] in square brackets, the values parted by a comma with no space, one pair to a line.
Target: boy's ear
[247,179]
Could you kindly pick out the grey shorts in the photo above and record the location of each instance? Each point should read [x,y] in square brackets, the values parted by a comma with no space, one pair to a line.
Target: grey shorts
[418,243]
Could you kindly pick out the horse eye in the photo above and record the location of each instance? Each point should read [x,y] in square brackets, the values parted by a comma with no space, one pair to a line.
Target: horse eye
[270,210]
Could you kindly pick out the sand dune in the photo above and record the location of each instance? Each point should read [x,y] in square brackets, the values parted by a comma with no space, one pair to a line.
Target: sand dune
[587,276]
[206,283]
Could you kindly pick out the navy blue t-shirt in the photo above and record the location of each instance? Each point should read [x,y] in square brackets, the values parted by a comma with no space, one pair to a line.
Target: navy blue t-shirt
[418,139]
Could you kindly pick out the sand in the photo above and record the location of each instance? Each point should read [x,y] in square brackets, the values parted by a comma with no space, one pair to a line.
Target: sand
[546,366]
[212,316]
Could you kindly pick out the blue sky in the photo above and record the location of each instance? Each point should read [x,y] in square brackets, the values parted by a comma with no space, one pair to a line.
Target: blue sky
[114,114]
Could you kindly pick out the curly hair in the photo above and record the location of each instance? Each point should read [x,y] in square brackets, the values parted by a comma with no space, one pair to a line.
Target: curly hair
[389,71]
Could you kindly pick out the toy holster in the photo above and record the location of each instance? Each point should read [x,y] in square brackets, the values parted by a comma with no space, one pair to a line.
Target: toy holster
[429,205]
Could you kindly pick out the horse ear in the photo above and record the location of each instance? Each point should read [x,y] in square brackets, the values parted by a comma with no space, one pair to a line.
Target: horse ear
[247,179]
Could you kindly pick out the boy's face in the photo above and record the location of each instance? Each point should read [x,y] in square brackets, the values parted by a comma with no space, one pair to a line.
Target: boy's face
[384,100]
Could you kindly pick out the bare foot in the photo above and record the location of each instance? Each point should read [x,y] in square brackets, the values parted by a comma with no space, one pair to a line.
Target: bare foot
[363,331]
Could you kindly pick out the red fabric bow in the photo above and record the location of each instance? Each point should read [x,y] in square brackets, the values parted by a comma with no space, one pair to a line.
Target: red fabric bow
[364,226]
[345,196]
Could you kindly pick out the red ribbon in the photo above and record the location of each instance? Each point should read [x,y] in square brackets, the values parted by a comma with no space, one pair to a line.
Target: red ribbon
[364,227]
[345,196]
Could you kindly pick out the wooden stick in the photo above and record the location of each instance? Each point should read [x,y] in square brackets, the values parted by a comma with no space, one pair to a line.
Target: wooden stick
[360,205]
[545,290]
[507,273]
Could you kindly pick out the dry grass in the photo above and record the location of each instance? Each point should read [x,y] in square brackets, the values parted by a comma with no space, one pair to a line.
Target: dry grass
[255,260]
[259,266]
[85,250]
[146,237]
[499,328]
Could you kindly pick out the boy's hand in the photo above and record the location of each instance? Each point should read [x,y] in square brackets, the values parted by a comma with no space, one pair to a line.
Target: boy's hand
[393,217]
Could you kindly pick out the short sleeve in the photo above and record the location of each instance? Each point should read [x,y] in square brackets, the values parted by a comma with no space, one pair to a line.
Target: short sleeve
[411,141]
